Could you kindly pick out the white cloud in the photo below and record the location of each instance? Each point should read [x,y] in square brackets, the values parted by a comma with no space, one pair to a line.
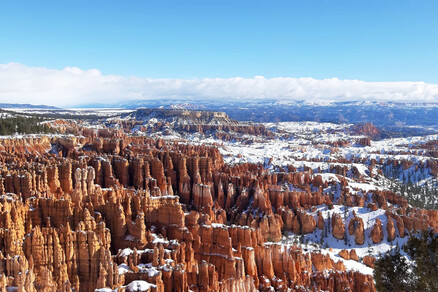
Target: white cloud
[74,86]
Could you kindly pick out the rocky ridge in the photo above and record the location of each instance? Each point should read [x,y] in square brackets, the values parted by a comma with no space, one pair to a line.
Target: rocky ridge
[185,122]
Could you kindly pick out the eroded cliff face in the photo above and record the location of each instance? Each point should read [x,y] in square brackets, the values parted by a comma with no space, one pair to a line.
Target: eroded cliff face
[206,123]
[108,210]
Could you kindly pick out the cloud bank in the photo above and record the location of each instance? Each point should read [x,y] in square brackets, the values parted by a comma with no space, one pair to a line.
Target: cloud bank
[73,86]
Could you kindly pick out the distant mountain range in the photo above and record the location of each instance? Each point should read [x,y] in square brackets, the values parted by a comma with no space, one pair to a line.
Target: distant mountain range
[26,106]
[414,118]
[389,115]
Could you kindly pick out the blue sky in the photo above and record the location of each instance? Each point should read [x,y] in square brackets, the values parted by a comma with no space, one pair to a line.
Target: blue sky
[70,53]
[366,40]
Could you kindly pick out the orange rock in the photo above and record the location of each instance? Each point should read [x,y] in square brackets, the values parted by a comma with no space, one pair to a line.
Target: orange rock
[320,221]
[356,227]
[390,229]
[338,228]
[307,222]
[353,255]
[344,254]
[369,261]
[109,192]
[377,232]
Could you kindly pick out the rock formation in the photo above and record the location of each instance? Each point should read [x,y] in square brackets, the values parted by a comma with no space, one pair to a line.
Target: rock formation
[338,226]
[377,231]
[111,210]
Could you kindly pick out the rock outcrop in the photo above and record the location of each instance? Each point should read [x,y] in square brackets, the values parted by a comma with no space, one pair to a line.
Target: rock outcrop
[111,210]
[356,228]
[377,232]
[338,226]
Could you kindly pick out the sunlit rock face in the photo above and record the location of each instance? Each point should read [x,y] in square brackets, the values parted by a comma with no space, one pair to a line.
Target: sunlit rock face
[108,209]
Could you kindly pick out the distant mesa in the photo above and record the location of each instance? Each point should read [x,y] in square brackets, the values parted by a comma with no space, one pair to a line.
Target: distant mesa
[377,120]
[367,129]
[26,106]
[201,116]
[215,123]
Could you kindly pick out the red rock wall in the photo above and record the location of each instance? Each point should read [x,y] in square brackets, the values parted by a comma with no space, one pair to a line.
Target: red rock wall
[66,217]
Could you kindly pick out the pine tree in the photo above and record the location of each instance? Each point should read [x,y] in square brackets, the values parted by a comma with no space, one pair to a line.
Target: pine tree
[391,272]
[423,249]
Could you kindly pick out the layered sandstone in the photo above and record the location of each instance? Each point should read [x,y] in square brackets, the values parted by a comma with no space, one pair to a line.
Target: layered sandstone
[108,209]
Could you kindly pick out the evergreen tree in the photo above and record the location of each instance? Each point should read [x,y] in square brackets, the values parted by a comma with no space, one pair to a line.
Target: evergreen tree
[391,272]
[23,125]
[423,249]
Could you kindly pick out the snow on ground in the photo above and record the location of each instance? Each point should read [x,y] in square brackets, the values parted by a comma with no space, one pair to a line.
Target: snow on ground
[140,286]
[6,115]
[306,127]
[123,269]
[323,146]
[309,142]
[126,252]
[101,112]
[292,151]
[324,242]
[307,145]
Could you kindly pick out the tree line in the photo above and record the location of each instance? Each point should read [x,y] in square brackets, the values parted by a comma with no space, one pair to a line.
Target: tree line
[23,125]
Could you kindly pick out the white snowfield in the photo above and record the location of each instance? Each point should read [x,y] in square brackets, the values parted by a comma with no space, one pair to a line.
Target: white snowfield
[308,140]
[140,286]
[327,244]
[322,146]
[306,145]
[101,112]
